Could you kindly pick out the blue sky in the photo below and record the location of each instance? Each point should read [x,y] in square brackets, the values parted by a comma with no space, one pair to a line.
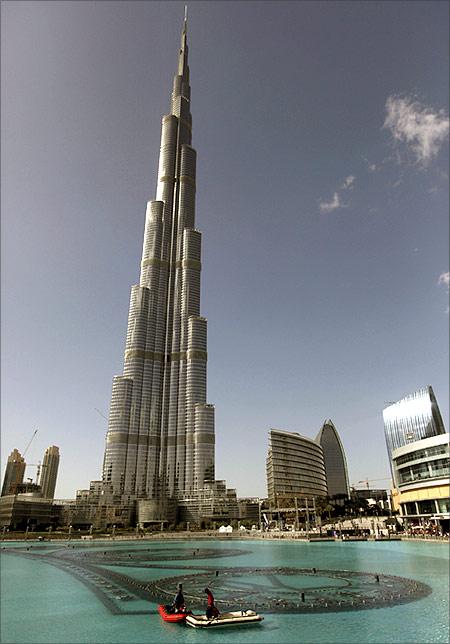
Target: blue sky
[321,131]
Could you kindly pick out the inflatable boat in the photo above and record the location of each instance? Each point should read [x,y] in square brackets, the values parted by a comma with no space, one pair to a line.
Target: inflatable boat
[169,616]
[236,618]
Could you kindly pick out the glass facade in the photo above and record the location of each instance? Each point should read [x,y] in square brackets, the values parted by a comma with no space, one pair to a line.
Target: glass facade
[427,507]
[422,453]
[414,417]
[334,457]
[424,461]
[423,471]
[295,468]
[422,476]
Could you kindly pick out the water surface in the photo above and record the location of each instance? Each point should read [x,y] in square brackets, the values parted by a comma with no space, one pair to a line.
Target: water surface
[45,603]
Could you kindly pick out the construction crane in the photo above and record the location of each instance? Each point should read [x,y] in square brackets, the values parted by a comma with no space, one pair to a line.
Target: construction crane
[101,413]
[38,471]
[367,481]
[30,441]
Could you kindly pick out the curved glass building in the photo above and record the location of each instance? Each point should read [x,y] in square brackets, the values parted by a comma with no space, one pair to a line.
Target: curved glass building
[412,418]
[334,458]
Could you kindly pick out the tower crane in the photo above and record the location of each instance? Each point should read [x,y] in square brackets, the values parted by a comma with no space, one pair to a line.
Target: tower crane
[101,413]
[38,471]
[29,442]
[367,481]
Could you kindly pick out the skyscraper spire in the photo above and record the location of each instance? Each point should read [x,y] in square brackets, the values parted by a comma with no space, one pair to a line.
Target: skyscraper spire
[183,64]
[160,440]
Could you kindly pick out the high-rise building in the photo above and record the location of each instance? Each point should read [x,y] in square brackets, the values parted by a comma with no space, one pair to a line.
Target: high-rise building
[295,468]
[160,439]
[49,472]
[15,469]
[334,457]
[412,418]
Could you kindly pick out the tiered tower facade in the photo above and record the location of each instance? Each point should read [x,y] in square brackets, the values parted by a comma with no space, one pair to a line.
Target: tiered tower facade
[160,440]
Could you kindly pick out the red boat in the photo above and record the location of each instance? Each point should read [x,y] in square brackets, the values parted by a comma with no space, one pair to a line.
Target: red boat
[168,616]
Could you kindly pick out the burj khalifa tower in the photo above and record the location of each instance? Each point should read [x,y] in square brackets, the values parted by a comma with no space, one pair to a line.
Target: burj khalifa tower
[160,439]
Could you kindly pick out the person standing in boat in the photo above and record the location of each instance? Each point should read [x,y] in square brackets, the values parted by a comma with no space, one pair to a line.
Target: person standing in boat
[211,609]
[178,604]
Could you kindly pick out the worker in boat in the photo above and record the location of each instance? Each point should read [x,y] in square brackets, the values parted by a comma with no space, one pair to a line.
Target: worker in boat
[211,609]
[178,604]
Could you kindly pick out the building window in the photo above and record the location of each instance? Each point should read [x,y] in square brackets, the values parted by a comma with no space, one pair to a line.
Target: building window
[443,505]
[409,508]
[426,507]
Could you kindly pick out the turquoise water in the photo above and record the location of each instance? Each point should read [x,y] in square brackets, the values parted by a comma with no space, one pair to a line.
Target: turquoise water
[42,603]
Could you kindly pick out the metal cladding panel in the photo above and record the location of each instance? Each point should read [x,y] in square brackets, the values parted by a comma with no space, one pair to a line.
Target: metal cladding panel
[117,435]
[410,419]
[168,152]
[204,442]
[151,252]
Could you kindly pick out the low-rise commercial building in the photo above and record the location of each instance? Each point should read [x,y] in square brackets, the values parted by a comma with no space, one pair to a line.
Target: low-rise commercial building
[22,511]
[421,472]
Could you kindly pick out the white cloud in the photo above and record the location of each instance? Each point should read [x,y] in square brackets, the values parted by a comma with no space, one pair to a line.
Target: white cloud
[335,203]
[348,183]
[444,279]
[370,166]
[329,206]
[421,128]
